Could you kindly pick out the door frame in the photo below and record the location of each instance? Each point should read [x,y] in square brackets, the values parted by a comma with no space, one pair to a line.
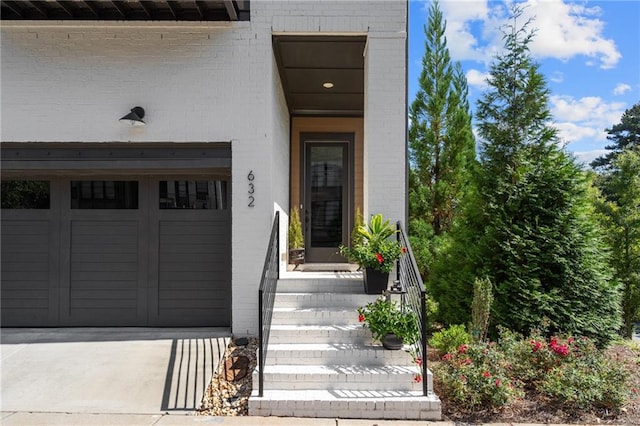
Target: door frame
[308,139]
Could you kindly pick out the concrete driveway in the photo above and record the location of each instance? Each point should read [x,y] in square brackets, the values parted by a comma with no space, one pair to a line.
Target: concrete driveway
[108,370]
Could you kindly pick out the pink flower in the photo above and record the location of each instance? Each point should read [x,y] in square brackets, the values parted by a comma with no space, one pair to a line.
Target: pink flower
[462,349]
[535,345]
[467,361]
[379,258]
[486,374]
[447,357]
[419,361]
[360,318]
[404,249]
[417,378]
[498,382]
[561,350]
[463,377]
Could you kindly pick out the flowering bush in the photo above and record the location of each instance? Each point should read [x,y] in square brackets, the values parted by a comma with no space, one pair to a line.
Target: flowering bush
[477,375]
[374,248]
[571,371]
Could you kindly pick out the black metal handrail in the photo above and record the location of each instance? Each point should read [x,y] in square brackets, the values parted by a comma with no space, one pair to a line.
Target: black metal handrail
[411,282]
[266,297]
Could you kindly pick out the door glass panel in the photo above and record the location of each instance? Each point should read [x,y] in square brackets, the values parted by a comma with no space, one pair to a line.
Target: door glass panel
[193,194]
[25,194]
[326,186]
[104,194]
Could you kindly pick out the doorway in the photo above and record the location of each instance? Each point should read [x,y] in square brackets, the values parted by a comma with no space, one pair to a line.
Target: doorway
[327,195]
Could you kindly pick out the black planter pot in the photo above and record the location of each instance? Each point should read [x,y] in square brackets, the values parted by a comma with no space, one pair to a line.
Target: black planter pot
[392,342]
[375,282]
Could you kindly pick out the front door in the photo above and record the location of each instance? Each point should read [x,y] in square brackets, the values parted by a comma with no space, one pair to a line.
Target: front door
[328,196]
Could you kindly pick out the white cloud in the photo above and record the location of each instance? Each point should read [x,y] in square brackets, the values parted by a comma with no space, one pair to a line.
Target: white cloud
[586,157]
[564,30]
[477,79]
[587,117]
[557,77]
[621,89]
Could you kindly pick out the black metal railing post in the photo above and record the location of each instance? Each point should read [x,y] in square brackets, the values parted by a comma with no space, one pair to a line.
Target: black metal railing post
[411,283]
[266,297]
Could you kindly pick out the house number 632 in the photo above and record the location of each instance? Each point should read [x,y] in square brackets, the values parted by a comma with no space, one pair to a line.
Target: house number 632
[252,189]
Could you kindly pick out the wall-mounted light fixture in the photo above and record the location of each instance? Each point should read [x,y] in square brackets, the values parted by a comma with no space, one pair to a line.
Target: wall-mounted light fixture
[134,118]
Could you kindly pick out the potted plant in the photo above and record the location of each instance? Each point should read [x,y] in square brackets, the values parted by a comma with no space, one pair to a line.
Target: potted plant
[296,240]
[389,323]
[376,252]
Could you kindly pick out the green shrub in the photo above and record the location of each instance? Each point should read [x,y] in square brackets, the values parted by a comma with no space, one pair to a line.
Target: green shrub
[481,308]
[449,339]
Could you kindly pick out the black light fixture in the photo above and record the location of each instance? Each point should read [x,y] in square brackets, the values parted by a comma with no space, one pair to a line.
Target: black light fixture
[134,118]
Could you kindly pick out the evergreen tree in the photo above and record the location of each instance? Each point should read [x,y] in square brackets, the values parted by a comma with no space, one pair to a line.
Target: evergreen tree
[625,134]
[440,143]
[529,228]
[621,210]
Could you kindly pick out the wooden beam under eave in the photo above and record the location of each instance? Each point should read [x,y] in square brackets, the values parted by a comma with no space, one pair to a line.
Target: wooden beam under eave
[13,9]
[38,8]
[231,9]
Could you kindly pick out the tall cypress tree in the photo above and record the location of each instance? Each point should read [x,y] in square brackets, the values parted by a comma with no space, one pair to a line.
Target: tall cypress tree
[441,142]
[529,228]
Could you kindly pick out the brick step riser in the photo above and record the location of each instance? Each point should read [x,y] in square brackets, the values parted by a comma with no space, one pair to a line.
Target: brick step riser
[347,357]
[320,286]
[398,382]
[347,409]
[314,317]
[288,337]
[322,300]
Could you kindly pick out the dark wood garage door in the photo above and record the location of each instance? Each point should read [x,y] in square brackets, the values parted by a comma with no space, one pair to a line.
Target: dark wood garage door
[132,251]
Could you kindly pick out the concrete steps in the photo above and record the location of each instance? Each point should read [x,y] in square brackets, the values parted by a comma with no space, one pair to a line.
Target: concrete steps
[321,362]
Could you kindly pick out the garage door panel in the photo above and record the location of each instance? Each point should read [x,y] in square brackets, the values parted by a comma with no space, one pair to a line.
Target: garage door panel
[26,256]
[78,277]
[27,240]
[101,300]
[25,299]
[216,282]
[210,228]
[98,284]
[211,267]
[193,274]
[207,249]
[168,257]
[104,266]
[35,266]
[117,257]
[25,275]
[108,317]
[207,307]
[127,240]
[101,228]
[14,285]
[191,240]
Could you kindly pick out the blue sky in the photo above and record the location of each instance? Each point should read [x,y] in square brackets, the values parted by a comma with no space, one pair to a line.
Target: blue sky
[589,52]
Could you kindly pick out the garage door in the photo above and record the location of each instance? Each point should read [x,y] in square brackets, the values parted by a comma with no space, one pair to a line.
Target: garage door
[125,251]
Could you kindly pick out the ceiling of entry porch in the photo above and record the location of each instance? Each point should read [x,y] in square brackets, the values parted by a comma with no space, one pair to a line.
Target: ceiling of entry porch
[322,75]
